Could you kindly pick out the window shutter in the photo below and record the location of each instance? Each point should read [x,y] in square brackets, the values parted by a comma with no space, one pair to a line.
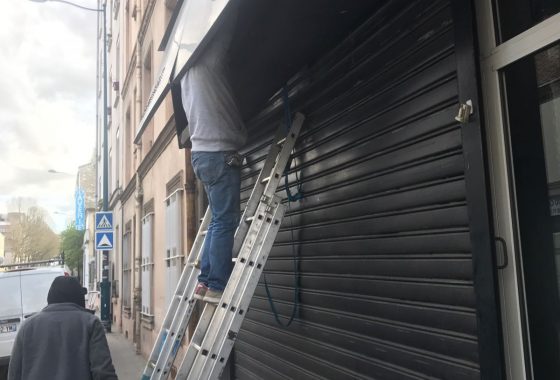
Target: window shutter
[173,249]
[147,263]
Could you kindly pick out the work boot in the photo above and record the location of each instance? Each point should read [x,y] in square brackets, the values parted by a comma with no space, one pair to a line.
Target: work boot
[200,291]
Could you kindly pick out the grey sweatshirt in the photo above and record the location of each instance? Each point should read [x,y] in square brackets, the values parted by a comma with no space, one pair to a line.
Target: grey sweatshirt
[215,123]
[62,342]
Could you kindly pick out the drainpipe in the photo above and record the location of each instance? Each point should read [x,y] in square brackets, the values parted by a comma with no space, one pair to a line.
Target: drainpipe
[120,237]
[191,224]
[190,202]
[138,196]
[139,199]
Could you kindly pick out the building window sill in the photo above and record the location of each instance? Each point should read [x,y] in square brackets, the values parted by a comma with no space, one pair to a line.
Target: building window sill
[148,321]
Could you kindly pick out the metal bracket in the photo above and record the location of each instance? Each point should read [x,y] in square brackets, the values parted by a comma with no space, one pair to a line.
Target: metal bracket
[465,111]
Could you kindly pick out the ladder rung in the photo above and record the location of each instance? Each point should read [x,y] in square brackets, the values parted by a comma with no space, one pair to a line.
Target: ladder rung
[281,141]
[233,259]
[195,264]
[250,219]
[196,346]
[152,364]
[265,180]
[202,233]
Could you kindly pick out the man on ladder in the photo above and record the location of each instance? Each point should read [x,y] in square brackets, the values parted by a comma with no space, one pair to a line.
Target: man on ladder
[217,133]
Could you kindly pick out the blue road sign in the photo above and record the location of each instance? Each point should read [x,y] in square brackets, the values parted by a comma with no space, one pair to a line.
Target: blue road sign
[80,210]
[104,221]
[103,240]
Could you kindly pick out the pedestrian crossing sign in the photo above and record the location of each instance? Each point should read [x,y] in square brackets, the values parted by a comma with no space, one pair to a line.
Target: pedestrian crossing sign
[104,240]
[104,221]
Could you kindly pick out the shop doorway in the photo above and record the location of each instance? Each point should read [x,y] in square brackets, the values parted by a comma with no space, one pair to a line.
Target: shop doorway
[521,88]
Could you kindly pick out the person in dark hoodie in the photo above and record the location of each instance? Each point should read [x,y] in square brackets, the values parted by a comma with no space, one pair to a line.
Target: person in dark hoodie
[64,341]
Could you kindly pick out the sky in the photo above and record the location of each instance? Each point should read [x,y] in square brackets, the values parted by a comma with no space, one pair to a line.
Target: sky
[47,102]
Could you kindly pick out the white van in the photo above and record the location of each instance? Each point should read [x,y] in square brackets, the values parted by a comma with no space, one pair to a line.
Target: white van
[23,292]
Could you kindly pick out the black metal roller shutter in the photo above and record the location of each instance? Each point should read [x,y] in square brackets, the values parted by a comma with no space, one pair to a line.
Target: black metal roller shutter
[382,235]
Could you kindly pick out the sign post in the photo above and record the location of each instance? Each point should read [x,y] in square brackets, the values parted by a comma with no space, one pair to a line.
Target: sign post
[104,242]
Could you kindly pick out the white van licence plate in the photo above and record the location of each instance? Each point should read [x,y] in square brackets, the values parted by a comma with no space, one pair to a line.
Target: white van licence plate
[8,328]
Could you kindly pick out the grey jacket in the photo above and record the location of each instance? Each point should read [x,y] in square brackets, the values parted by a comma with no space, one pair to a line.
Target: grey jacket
[62,342]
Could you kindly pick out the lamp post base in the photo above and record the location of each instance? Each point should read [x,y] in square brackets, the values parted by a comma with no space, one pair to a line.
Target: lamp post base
[105,305]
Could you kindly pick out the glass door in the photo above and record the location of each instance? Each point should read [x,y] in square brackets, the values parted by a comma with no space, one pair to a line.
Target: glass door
[531,88]
[520,76]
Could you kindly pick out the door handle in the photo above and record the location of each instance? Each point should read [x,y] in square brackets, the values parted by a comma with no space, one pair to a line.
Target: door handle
[504,249]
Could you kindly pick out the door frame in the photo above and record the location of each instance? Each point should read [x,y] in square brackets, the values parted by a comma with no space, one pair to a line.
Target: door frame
[493,58]
[490,356]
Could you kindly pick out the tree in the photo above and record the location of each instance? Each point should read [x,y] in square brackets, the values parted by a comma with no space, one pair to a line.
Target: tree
[71,243]
[31,238]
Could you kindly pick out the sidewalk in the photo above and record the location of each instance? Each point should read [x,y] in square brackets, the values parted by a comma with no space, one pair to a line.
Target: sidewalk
[128,365]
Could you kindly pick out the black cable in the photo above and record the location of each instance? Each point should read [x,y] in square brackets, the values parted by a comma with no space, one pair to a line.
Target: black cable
[291,198]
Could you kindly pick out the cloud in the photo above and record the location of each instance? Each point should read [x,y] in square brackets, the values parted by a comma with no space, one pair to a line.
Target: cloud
[47,99]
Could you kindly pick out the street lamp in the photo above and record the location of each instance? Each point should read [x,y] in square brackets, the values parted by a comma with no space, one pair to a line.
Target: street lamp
[52,171]
[105,284]
[72,4]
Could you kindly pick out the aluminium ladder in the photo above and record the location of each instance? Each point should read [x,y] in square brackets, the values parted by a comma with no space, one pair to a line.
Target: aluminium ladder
[217,328]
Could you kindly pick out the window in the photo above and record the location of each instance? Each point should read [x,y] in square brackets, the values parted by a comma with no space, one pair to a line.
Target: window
[117,157]
[169,7]
[127,148]
[99,190]
[127,38]
[109,110]
[173,249]
[516,16]
[115,281]
[127,270]
[116,83]
[147,263]
[147,76]
[116,7]
[148,134]
[532,89]
[110,172]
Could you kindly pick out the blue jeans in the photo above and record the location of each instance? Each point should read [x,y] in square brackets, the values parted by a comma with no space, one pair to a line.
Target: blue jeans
[222,184]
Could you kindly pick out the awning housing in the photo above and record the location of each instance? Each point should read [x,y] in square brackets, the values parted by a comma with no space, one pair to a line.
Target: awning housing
[273,41]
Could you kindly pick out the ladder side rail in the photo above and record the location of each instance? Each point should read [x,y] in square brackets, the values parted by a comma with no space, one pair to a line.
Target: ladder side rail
[172,311]
[196,250]
[273,169]
[250,240]
[177,330]
[229,329]
[243,258]
[196,341]
[258,189]
[234,289]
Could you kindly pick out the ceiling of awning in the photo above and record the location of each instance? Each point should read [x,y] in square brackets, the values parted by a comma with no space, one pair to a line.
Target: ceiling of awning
[275,39]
